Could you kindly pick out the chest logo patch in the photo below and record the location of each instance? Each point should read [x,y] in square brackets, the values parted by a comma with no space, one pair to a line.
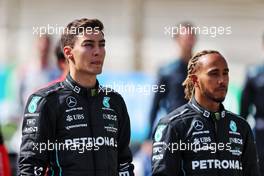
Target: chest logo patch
[106,102]
[198,125]
[71,102]
[233,126]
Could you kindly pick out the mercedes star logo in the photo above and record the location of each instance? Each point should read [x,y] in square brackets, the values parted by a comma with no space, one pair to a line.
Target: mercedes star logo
[71,101]
[198,125]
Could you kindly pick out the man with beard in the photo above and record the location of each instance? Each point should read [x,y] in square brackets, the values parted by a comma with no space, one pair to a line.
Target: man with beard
[202,137]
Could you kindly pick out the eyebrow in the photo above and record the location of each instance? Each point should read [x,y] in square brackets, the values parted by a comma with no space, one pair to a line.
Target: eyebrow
[92,41]
[216,69]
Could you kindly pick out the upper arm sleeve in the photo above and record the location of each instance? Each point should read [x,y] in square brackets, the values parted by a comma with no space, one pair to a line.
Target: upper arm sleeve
[165,161]
[246,98]
[126,167]
[33,158]
[249,159]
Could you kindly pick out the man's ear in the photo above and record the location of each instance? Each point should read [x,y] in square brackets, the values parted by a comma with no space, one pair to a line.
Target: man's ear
[194,79]
[68,52]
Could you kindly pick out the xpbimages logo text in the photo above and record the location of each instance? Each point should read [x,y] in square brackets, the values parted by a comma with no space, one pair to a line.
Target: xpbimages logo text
[50,29]
[211,31]
[80,145]
[161,147]
[132,88]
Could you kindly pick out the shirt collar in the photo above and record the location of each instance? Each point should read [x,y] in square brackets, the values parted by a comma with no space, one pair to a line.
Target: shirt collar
[77,88]
[206,113]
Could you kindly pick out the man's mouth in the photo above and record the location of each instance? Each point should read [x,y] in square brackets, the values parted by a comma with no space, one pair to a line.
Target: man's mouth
[222,89]
[96,62]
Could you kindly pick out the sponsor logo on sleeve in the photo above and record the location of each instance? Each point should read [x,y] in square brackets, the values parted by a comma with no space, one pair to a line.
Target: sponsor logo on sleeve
[31,122]
[158,133]
[30,130]
[32,107]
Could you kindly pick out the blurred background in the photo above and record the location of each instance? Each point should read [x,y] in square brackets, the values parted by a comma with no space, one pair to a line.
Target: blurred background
[137,45]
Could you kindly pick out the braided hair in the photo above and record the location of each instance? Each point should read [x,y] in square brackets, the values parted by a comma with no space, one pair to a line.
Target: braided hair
[192,68]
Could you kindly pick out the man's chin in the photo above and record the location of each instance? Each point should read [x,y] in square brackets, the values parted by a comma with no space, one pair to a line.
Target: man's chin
[99,72]
[94,72]
[219,100]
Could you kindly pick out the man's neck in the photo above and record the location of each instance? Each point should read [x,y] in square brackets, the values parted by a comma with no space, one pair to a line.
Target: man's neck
[64,73]
[207,103]
[84,80]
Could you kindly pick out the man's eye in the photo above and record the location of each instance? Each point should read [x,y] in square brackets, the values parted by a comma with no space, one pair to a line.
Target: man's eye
[102,45]
[88,44]
[213,74]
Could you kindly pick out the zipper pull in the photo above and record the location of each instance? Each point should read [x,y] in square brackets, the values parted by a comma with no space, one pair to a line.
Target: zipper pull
[216,116]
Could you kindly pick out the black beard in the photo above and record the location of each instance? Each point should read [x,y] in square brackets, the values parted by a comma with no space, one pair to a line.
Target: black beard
[217,100]
[211,95]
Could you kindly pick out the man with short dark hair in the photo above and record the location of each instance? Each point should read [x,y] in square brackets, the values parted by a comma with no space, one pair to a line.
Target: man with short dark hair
[202,137]
[77,127]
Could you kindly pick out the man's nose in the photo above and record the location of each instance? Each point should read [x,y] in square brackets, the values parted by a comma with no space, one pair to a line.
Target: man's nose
[96,51]
[223,80]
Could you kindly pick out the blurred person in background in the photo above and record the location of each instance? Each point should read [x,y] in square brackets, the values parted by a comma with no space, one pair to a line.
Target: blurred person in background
[38,72]
[142,159]
[173,74]
[31,76]
[61,63]
[63,67]
[252,103]
[4,161]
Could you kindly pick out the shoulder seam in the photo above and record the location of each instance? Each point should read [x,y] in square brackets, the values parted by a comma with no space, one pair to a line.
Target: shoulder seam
[177,115]
[44,92]
[236,115]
